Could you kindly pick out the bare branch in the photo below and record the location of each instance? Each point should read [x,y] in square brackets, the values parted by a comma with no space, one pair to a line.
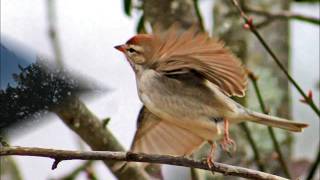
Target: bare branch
[55,164]
[60,155]
[52,31]
[252,28]
[307,98]
[253,144]
[282,15]
[198,13]
[77,116]
[275,142]
[73,174]
[84,123]
[314,166]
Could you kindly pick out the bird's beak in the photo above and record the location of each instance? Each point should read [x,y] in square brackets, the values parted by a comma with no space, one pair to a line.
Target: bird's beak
[120,47]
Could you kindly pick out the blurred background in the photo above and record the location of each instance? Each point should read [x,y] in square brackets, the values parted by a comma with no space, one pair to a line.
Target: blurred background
[85,33]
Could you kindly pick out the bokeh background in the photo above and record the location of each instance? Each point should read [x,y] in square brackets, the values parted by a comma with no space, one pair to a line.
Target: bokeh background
[88,30]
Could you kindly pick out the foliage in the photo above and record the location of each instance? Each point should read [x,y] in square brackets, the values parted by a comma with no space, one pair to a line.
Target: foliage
[38,91]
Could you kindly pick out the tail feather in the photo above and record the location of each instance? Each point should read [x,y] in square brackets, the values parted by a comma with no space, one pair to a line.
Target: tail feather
[276,122]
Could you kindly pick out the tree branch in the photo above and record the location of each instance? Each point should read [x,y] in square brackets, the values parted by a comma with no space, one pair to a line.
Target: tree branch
[198,13]
[314,166]
[83,122]
[60,155]
[282,15]
[52,31]
[78,117]
[249,24]
[253,145]
[76,171]
[306,98]
[275,142]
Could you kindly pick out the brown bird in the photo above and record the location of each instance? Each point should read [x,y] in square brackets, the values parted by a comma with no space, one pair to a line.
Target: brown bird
[185,81]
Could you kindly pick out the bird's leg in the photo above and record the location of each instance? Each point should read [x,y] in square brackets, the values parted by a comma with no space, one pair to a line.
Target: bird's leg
[211,154]
[227,141]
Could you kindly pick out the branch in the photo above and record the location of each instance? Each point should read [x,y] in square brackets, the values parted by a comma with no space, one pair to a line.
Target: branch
[198,13]
[61,155]
[275,142]
[282,15]
[249,24]
[307,1]
[307,98]
[77,171]
[314,166]
[52,31]
[77,116]
[253,145]
[83,122]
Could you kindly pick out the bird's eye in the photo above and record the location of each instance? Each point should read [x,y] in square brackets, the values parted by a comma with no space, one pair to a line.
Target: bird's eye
[131,50]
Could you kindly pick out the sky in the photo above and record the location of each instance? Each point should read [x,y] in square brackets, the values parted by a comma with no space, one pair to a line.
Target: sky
[88,31]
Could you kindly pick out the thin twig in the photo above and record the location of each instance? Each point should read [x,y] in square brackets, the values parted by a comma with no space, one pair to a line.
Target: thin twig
[84,123]
[227,170]
[82,168]
[314,166]
[199,16]
[275,142]
[77,171]
[280,158]
[263,23]
[254,147]
[253,29]
[81,120]
[282,15]
[52,30]
[306,98]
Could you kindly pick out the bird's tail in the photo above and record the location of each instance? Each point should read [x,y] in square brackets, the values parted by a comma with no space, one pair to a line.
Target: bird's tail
[275,121]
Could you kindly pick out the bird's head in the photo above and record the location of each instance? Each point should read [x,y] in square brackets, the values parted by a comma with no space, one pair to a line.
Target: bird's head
[137,49]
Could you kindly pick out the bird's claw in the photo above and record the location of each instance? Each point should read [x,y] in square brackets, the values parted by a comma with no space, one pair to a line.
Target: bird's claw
[228,143]
[210,161]
[211,154]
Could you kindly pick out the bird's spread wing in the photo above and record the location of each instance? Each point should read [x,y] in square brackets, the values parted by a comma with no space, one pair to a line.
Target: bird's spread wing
[155,136]
[198,52]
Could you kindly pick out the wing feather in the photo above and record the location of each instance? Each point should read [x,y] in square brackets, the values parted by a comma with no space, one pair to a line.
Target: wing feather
[156,136]
[197,51]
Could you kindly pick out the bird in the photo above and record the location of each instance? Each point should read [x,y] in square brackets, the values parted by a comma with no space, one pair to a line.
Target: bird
[185,81]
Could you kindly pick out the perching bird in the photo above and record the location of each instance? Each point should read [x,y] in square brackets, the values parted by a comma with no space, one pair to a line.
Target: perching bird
[185,81]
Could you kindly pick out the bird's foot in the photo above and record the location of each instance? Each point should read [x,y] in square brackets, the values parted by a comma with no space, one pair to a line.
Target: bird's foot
[227,142]
[209,161]
[211,154]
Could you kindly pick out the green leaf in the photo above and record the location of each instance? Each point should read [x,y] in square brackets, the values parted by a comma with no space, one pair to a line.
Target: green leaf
[127,7]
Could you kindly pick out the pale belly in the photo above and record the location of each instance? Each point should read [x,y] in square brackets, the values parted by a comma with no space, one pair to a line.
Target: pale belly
[190,105]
